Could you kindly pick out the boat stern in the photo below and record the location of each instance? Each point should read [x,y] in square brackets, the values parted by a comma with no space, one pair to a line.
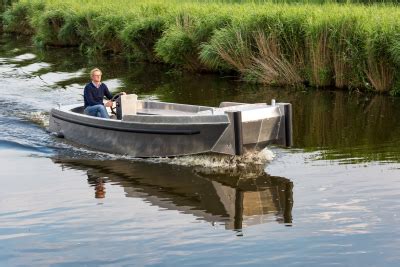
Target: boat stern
[253,126]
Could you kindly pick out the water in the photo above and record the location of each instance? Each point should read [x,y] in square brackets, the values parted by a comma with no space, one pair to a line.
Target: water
[333,199]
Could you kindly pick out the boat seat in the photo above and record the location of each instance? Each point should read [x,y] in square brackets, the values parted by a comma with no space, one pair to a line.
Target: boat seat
[128,104]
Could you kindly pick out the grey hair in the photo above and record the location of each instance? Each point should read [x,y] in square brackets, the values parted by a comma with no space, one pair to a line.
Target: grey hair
[94,70]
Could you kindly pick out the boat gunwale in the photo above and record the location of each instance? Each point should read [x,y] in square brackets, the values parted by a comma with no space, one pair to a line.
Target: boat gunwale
[223,117]
[65,113]
[142,131]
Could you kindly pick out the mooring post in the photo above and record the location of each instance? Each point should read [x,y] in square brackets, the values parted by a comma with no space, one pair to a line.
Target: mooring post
[238,132]
[288,125]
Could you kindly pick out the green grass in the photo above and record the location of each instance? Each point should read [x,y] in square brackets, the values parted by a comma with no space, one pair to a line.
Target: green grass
[353,45]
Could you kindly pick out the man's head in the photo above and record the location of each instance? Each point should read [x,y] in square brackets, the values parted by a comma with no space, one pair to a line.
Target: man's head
[95,75]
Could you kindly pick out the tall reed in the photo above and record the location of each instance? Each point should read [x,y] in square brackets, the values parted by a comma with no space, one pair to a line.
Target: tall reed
[323,44]
[193,25]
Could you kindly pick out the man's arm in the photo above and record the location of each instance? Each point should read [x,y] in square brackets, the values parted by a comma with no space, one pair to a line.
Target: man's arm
[107,92]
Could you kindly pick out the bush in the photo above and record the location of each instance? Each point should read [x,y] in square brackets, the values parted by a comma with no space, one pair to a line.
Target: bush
[140,35]
[17,18]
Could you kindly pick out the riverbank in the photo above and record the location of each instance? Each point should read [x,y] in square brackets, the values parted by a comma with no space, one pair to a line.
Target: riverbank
[351,47]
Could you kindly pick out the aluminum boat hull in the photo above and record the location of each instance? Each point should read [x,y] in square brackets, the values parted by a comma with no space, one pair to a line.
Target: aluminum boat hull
[190,130]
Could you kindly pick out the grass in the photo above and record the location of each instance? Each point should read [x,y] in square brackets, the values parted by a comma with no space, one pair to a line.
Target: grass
[322,43]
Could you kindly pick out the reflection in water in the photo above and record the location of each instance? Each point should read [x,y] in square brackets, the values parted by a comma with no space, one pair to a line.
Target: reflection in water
[235,200]
[98,184]
[349,128]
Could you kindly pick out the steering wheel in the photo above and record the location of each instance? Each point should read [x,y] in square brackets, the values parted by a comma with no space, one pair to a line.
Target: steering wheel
[113,99]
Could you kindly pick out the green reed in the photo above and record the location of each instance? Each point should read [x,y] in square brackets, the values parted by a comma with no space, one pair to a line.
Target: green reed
[321,43]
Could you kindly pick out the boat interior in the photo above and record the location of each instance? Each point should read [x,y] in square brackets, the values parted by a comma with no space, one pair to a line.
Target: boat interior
[143,107]
[130,105]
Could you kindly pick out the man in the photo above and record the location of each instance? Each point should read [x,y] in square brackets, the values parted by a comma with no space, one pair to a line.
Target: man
[93,95]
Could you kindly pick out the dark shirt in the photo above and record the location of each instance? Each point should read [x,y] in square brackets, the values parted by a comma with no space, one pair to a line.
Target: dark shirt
[94,96]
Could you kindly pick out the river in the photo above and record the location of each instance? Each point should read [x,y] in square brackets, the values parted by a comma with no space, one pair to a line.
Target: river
[331,199]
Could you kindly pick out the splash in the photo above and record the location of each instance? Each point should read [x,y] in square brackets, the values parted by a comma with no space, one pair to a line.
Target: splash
[38,117]
[249,159]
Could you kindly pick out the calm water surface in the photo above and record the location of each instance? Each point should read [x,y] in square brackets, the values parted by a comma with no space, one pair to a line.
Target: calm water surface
[332,200]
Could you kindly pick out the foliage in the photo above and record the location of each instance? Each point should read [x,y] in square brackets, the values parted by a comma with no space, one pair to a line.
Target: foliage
[277,42]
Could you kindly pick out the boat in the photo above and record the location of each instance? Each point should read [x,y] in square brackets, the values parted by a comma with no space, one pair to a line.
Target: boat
[148,128]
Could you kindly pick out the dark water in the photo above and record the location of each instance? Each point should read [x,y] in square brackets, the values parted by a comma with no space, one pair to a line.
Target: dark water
[333,199]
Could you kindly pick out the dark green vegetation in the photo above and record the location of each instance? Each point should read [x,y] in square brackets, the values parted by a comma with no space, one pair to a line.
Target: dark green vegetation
[329,45]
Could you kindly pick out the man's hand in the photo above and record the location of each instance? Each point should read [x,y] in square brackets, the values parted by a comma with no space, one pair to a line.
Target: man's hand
[108,104]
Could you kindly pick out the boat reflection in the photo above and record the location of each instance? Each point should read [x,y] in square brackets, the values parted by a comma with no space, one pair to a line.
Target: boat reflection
[99,185]
[236,200]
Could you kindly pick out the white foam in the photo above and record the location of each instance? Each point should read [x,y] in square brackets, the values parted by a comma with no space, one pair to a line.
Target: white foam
[39,117]
[219,161]
[250,163]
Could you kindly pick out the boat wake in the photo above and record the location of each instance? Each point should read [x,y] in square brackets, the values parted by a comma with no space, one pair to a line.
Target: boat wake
[13,145]
[216,163]
[40,118]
